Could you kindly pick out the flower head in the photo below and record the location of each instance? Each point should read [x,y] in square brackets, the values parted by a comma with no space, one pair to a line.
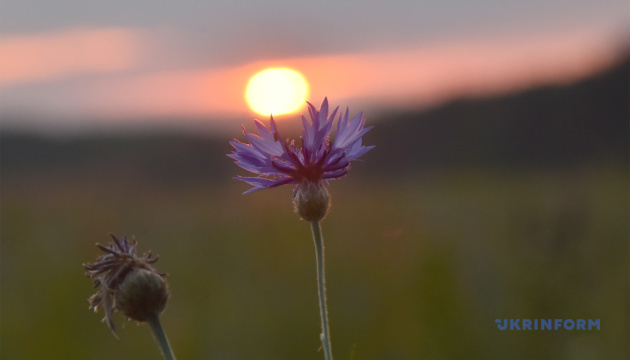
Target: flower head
[127,282]
[278,163]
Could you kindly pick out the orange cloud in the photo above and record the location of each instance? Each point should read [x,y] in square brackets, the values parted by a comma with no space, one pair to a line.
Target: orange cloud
[435,73]
[45,56]
[176,93]
[413,77]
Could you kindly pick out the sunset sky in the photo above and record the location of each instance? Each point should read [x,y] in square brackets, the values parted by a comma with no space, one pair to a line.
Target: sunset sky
[70,65]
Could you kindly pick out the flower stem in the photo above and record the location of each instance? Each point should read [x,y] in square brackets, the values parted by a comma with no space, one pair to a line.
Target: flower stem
[321,287]
[160,337]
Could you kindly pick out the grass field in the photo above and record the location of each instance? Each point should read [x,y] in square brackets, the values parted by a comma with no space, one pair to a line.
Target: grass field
[418,267]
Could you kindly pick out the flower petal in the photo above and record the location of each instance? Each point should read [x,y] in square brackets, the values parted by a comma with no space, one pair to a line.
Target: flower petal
[278,163]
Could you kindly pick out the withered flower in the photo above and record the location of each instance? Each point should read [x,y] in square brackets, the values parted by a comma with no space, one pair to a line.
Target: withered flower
[128,283]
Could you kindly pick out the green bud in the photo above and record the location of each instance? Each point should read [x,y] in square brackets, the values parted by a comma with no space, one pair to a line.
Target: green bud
[312,201]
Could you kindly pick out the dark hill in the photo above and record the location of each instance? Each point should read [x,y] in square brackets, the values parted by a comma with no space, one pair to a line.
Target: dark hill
[551,126]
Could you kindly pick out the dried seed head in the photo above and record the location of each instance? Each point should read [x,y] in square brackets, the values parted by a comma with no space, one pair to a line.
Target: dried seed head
[127,282]
[312,201]
[142,294]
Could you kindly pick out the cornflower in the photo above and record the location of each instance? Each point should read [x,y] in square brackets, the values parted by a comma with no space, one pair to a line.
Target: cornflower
[318,160]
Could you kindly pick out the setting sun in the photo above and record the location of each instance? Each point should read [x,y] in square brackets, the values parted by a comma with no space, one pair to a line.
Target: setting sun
[276,91]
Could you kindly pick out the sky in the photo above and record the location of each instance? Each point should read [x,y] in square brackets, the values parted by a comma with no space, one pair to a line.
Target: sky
[73,65]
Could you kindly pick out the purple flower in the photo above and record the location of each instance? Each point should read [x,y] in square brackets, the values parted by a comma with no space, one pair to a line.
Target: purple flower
[318,159]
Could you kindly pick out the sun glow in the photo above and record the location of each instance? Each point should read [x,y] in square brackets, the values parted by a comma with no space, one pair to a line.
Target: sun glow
[276,91]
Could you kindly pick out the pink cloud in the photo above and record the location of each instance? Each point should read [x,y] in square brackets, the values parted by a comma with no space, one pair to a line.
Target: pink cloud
[469,67]
[46,56]
[418,76]
[413,77]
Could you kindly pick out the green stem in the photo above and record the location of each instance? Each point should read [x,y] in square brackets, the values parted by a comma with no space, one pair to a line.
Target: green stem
[160,337]
[321,287]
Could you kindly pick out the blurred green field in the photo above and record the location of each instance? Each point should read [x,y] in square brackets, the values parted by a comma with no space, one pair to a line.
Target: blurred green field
[417,268]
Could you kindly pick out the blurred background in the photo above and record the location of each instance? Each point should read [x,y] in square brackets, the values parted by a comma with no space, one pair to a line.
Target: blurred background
[498,187]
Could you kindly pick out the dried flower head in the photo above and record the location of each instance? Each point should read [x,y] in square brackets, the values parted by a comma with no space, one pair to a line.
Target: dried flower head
[318,159]
[128,283]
